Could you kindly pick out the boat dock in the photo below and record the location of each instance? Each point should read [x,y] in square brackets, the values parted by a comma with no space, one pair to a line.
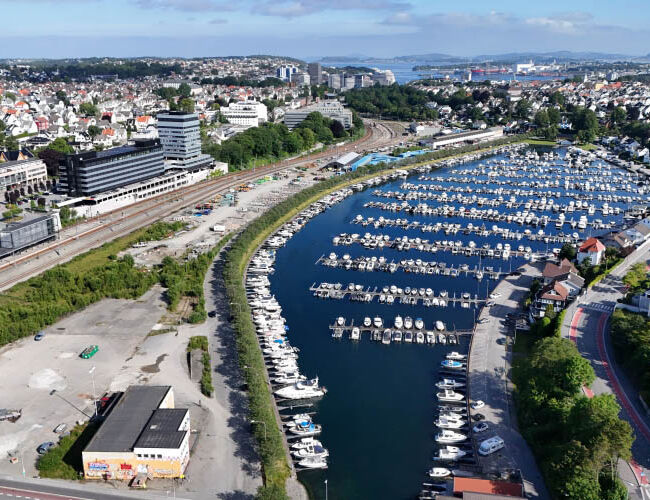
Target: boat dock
[410,266]
[403,296]
[380,335]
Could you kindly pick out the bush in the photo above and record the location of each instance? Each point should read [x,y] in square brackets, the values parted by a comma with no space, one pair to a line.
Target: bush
[198,342]
[64,460]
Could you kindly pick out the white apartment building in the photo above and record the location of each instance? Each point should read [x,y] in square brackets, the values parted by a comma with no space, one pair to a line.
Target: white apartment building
[331,109]
[22,173]
[247,113]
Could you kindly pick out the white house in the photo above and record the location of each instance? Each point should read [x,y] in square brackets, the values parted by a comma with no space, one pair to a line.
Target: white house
[593,250]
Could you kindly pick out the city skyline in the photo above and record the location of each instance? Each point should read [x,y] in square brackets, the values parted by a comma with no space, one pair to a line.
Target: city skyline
[313,28]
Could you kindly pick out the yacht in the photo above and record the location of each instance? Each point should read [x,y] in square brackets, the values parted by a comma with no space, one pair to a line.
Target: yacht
[313,463]
[457,356]
[305,443]
[311,451]
[385,338]
[398,322]
[305,428]
[419,324]
[340,321]
[450,454]
[450,395]
[408,322]
[439,472]
[355,334]
[378,322]
[289,378]
[304,389]
[408,336]
[440,326]
[367,322]
[452,364]
[449,383]
[449,436]
[449,423]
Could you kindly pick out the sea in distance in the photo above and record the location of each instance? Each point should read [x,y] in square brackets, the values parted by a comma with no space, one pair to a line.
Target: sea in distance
[378,414]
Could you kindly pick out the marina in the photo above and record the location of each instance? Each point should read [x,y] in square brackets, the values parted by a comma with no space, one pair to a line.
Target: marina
[341,335]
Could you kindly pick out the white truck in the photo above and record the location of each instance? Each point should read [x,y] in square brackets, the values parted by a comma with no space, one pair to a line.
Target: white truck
[218,228]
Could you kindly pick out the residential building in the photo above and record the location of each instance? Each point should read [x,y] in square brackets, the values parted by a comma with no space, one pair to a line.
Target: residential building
[180,137]
[331,109]
[286,72]
[553,271]
[553,294]
[383,77]
[143,434]
[335,81]
[301,79]
[315,73]
[94,172]
[246,113]
[469,137]
[22,173]
[591,249]
[21,235]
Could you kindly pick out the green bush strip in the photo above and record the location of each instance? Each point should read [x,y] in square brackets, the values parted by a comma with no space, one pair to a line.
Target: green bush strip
[630,334]
[276,469]
[201,342]
[64,460]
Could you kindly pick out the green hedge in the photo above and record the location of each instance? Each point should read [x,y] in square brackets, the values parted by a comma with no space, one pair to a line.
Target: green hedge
[630,334]
[272,454]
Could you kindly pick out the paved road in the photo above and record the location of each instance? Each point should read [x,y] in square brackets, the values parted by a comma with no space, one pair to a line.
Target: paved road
[98,230]
[42,490]
[489,367]
[586,323]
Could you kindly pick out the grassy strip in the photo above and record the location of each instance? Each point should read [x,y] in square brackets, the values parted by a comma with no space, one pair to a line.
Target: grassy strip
[201,342]
[64,460]
[276,469]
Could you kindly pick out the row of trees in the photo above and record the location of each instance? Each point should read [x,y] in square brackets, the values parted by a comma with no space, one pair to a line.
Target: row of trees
[630,334]
[243,82]
[399,102]
[272,141]
[577,440]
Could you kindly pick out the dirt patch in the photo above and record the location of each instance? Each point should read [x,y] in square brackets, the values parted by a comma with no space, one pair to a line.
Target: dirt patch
[155,368]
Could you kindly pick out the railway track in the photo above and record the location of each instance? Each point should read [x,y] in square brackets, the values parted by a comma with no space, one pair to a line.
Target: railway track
[156,208]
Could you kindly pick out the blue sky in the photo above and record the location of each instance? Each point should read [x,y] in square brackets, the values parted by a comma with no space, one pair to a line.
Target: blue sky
[311,28]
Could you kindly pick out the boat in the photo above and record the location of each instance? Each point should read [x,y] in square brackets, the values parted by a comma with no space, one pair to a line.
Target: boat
[439,472]
[449,383]
[450,454]
[450,395]
[440,326]
[367,322]
[419,324]
[289,378]
[385,338]
[304,389]
[305,428]
[305,443]
[340,321]
[452,364]
[311,451]
[408,337]
[355,334]
[408,322]
[449,423]
[431,338]
[449,436]
[453,409]
[398,323]
[419,338]
[313,463]
[378,322]
[442,339]
[456,356]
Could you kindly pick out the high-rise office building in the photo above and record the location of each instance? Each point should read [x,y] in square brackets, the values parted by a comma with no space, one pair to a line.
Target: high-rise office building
[315,71]
[93,172]
[286,72]
[335,81]
[180,136]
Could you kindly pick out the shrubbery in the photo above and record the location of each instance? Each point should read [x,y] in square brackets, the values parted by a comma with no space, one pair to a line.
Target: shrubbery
[630,334]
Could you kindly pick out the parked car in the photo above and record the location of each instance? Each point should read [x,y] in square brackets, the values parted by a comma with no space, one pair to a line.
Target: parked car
[480,427]
[89,352]
[212,314]
[59,429]
[43,448]
[39,336]
[477,404]
[478,417]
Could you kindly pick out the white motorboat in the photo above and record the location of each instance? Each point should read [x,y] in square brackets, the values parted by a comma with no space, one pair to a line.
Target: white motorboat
[306,443]
[340,321]
[313,463]
[450,454]
[378,322]
[367,322]
[442,339]
[456,356]
[304,389]
[448,395]
[439,472]
[449,383]
[311,451]
[449,423]
[355,334]
[408,322]
[440,326]
[449,436]
[306,428]
[419,323]
[289,378]
[399,323]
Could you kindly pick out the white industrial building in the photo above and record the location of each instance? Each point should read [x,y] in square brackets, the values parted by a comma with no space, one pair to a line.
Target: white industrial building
[247,113]
[22,173]
[331,109]
[470,137]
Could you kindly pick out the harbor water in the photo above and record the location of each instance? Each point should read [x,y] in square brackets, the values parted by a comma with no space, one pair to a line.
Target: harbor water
[378,414]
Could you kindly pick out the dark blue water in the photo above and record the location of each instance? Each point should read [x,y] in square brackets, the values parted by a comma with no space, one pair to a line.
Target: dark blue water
[378,414]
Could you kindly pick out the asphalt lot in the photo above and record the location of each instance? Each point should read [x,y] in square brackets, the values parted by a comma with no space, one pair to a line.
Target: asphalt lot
[489,368]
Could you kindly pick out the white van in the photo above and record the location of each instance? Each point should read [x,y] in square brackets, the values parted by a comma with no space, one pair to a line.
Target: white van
[491,445]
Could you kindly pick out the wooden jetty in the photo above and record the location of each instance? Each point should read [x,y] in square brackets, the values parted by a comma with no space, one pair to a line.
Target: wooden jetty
[451,336]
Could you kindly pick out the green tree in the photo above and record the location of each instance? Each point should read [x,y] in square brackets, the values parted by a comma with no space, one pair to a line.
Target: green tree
[184,90]
[557,98]
[554,116]
[11,143]
[60,145]
[88,109]
[567,251]
[94,131]
[187,105]
[619,115]
[62,96]
[636,277]
[541,119]
[522,109]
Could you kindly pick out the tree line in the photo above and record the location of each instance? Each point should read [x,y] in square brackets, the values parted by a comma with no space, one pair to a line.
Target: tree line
[398,102]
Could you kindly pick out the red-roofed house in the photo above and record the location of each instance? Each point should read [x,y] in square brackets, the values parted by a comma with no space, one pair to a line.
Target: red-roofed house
[593,250]
[554,294]
[553,271]
[42,123]
[473,485]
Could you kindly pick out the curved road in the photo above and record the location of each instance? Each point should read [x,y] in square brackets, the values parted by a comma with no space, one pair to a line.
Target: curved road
[586,324]
[98,230]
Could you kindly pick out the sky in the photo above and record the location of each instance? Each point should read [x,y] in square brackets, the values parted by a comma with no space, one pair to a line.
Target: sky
[310,29]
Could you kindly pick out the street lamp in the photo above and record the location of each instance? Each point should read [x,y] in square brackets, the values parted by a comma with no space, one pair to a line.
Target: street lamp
[92,376]
[260,422]
[326,489]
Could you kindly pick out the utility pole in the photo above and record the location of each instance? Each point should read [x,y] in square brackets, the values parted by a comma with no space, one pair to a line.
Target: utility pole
[92,376]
